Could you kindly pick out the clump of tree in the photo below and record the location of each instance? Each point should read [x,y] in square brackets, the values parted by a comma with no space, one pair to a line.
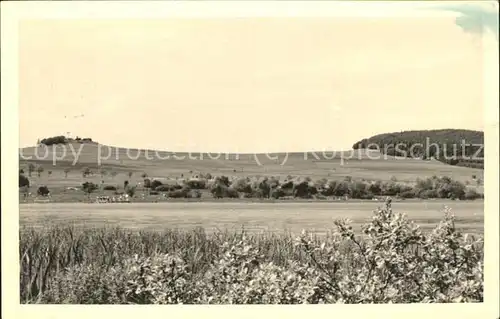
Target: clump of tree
[440,187]
[43,191]
[61,139]
[221,188]
[454,147]
[242,185]
[472,194]
[196,183]
[89,188]
[169,188]
[54,140]
[184,192]
[304,189]
[155,184]
[82,140]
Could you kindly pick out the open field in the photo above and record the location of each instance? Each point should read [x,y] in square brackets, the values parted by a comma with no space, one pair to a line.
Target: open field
[255,217]
[359,165]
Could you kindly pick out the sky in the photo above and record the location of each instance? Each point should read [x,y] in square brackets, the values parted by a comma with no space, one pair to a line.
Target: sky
[248,84]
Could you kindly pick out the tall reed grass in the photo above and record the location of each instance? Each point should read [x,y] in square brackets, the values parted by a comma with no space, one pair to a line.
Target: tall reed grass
[391,261]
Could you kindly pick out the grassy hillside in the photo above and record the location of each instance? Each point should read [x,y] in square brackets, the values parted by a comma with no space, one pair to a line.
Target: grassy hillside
[367,164]
[451,146]
[358,164]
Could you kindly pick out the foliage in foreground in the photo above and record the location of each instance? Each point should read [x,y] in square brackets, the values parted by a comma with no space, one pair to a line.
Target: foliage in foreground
[393,262]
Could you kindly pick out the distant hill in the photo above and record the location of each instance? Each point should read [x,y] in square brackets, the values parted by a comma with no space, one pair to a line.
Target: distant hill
[450,146]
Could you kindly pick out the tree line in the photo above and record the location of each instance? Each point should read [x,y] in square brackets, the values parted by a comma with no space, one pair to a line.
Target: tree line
[450,146]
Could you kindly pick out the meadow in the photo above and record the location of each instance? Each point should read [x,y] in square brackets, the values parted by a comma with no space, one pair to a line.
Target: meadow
[254,217]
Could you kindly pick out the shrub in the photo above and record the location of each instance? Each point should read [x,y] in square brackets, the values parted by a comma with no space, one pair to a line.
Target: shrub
[358,190]
[89,188]
[388,269]
[130,190]
[23,181]
[426,194]
[222,191]
[196,183]
[375,188]
[155,183]
[164,188]
[407,194]
[179,193]
[196,193]
[242,185]
[223,180]
[43,190]
[278,193]
[451,189]
[341,188]
[472,194]
[304,189]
